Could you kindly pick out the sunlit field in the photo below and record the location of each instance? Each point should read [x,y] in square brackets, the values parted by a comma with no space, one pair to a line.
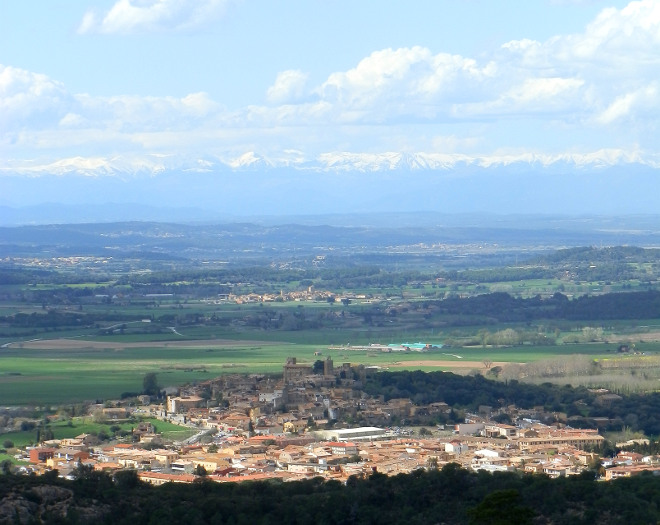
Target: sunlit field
[68,370]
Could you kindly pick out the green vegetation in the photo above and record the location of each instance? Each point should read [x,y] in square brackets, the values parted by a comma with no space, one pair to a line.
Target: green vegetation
[181,304]
[94,326]
[55,376]
[66,427]
[448,495]
[581,407]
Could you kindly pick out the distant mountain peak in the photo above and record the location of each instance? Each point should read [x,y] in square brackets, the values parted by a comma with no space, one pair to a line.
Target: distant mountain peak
[250,159]
[341,161]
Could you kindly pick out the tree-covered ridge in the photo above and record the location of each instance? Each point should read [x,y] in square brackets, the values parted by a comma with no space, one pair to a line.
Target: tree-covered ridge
[591,255]
[450,495]
[503,307]
[639,412]
[470,392]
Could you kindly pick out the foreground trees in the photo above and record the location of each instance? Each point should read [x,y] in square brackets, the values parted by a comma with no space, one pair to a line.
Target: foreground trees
[450,495]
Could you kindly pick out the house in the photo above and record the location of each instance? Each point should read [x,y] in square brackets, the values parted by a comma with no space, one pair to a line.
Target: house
[456,447]
[628,458]
[159,478]
[469,429]
[345,447]
[183,403]
[500,431]
[165,457]
[629,470]
[295,426]
[80,441]
[115,413]
[41,454]
[70,454]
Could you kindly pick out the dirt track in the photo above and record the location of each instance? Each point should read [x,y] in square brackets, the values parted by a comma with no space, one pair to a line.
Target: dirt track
[447,364]
[81,344]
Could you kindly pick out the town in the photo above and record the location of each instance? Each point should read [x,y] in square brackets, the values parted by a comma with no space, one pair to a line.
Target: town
[315,421]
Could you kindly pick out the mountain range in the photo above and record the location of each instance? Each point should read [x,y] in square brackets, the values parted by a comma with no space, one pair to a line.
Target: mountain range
[209,189]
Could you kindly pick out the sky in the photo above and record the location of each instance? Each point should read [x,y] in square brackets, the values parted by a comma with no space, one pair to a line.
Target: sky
[311,105]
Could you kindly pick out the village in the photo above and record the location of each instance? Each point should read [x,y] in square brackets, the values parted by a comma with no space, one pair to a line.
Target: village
[315,422]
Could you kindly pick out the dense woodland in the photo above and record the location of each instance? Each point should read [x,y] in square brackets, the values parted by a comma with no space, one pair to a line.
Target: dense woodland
[450,495]
[638,412]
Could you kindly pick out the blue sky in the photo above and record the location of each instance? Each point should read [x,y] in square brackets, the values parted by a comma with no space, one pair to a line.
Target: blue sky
[137,88]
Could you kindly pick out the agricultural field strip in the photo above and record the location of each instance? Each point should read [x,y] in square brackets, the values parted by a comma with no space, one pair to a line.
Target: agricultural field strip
[58,344]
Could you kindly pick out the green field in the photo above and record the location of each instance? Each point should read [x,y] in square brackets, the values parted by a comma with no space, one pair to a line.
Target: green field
[55,374]
[74,335]
[86,425]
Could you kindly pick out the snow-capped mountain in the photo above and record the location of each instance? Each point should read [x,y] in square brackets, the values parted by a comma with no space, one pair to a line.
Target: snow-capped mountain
[153,164]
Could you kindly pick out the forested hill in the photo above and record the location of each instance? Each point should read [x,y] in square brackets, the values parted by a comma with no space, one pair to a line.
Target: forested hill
[639,412]
[502,307]
[610,254]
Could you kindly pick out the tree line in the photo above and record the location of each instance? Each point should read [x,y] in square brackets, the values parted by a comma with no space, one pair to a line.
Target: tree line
[450,495]
[636,411]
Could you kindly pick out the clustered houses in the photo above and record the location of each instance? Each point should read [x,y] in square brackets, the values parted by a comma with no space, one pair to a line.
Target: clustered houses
[310,294]
[264,428]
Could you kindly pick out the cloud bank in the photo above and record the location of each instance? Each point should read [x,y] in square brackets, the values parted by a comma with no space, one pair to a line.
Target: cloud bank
[590,95]
[149,16]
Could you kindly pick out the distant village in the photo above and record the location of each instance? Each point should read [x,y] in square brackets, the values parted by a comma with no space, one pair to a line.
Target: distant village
[316,421]
[310,294]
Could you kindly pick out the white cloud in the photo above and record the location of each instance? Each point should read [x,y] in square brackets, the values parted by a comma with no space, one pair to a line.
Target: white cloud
[405,82]
[146,16]
[552,95]
[643,101]
[73,120]
[573,2]
[411,99]
[616,41]
[616,59]
[29,99]
[614,34]
[289,87]
[38,112]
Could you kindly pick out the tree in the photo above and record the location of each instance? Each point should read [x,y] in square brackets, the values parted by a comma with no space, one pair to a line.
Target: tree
[126,479]
[501,507]
[6,467]
[150,384]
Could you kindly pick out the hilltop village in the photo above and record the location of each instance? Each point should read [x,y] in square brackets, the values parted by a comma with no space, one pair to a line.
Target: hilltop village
[316,421]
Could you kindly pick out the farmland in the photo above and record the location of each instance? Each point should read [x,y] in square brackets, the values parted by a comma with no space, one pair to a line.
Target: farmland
[87,322]
[88,368]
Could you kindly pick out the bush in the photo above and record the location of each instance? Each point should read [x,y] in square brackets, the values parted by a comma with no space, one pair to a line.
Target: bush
[7,443]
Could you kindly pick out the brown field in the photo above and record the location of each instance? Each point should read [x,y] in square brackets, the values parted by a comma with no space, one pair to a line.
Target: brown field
[82,344]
